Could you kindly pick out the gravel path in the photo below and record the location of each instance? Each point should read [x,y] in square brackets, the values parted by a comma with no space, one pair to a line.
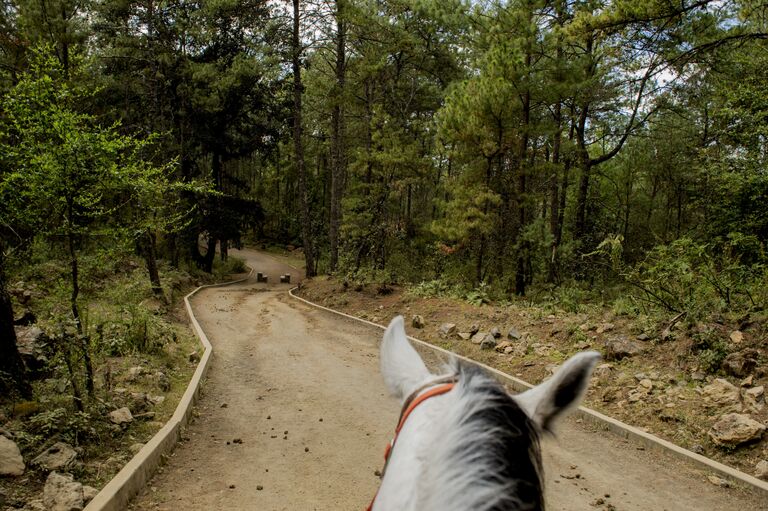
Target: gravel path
[294,416]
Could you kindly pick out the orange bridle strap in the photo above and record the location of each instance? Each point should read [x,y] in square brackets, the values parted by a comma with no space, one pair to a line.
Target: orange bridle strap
[414,400]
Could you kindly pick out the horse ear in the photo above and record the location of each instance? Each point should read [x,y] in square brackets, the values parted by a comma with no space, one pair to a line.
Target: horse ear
[401,366]
[549,401]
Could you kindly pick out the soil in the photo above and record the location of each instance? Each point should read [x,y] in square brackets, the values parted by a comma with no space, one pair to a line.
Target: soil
[294,416]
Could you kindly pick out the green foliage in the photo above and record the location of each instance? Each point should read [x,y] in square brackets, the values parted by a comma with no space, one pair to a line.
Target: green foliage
[711,349]
[70,426]
[693,277]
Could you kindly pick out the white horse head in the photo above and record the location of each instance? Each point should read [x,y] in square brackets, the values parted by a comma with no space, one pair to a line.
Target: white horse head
[473,447]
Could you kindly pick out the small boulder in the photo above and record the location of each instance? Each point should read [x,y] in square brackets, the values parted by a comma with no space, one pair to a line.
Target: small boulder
[62,493]
[736,337]
[605,327]
[417,322]
[478,337]
[603,370]
[488,342]
[503,345]
[135,448]
[162,380]
[513,334]
[465,336]
[740,363]
[761,470]
[733,429]
[59,456]
[619,347]
[89,493]
[643,337]
[11,461]
[495,332]
[134,373]
[447,329]
[754,399]
[722,393]
[474,328]
[121,416]
[33,346]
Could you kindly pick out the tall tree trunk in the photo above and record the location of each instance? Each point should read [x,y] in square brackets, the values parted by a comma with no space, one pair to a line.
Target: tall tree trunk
[210,255]
[306,229]
[81,337]
[150,258]
[338,169]
[522,267]
[13,376]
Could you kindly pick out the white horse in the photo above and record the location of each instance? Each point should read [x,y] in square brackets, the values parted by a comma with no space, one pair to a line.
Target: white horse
[464,443]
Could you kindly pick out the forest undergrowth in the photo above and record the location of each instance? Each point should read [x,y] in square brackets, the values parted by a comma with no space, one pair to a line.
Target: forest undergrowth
[142,355]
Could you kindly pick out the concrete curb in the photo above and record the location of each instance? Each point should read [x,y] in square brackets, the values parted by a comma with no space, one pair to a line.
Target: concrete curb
[116,495]
[616,427]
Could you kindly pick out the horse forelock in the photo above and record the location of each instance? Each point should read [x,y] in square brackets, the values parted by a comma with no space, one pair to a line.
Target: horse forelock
[486,454]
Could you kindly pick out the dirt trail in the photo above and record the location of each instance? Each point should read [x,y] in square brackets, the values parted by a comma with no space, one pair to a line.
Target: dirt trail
[294,416]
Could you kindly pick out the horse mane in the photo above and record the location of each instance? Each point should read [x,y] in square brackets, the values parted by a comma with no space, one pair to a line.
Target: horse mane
[486,454]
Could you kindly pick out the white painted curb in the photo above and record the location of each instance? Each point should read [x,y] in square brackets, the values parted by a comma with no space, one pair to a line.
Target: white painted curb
[116,495]
[614,426]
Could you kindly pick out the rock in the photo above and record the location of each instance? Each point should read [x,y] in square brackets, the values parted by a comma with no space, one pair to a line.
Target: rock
[698,376]
[495,332]
[474,328]
[162,380]
[718,481]
[465,336]
[605,327]
[59,456]
[619,347]
[603,369]
[89,493]
[746,382]
[447,329]
[513,334]
[646,384]
[761,470]
[722,393]
[733,429]
[754,399]
[139,402]
[740,363]
[156,400]
[488,342]
[34,505]
[736,337]
[134,373]
[478,337]
[62,493]
[509,349]
[643,337]
[11,461]
[121,416]
[134,448]
[503,345]
[417,322]
[33,348]
[193,357]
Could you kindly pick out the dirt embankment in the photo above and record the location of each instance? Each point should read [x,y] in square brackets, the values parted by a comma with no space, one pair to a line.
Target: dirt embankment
[657,385]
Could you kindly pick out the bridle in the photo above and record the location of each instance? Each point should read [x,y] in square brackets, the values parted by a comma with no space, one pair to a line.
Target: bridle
[437,387]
